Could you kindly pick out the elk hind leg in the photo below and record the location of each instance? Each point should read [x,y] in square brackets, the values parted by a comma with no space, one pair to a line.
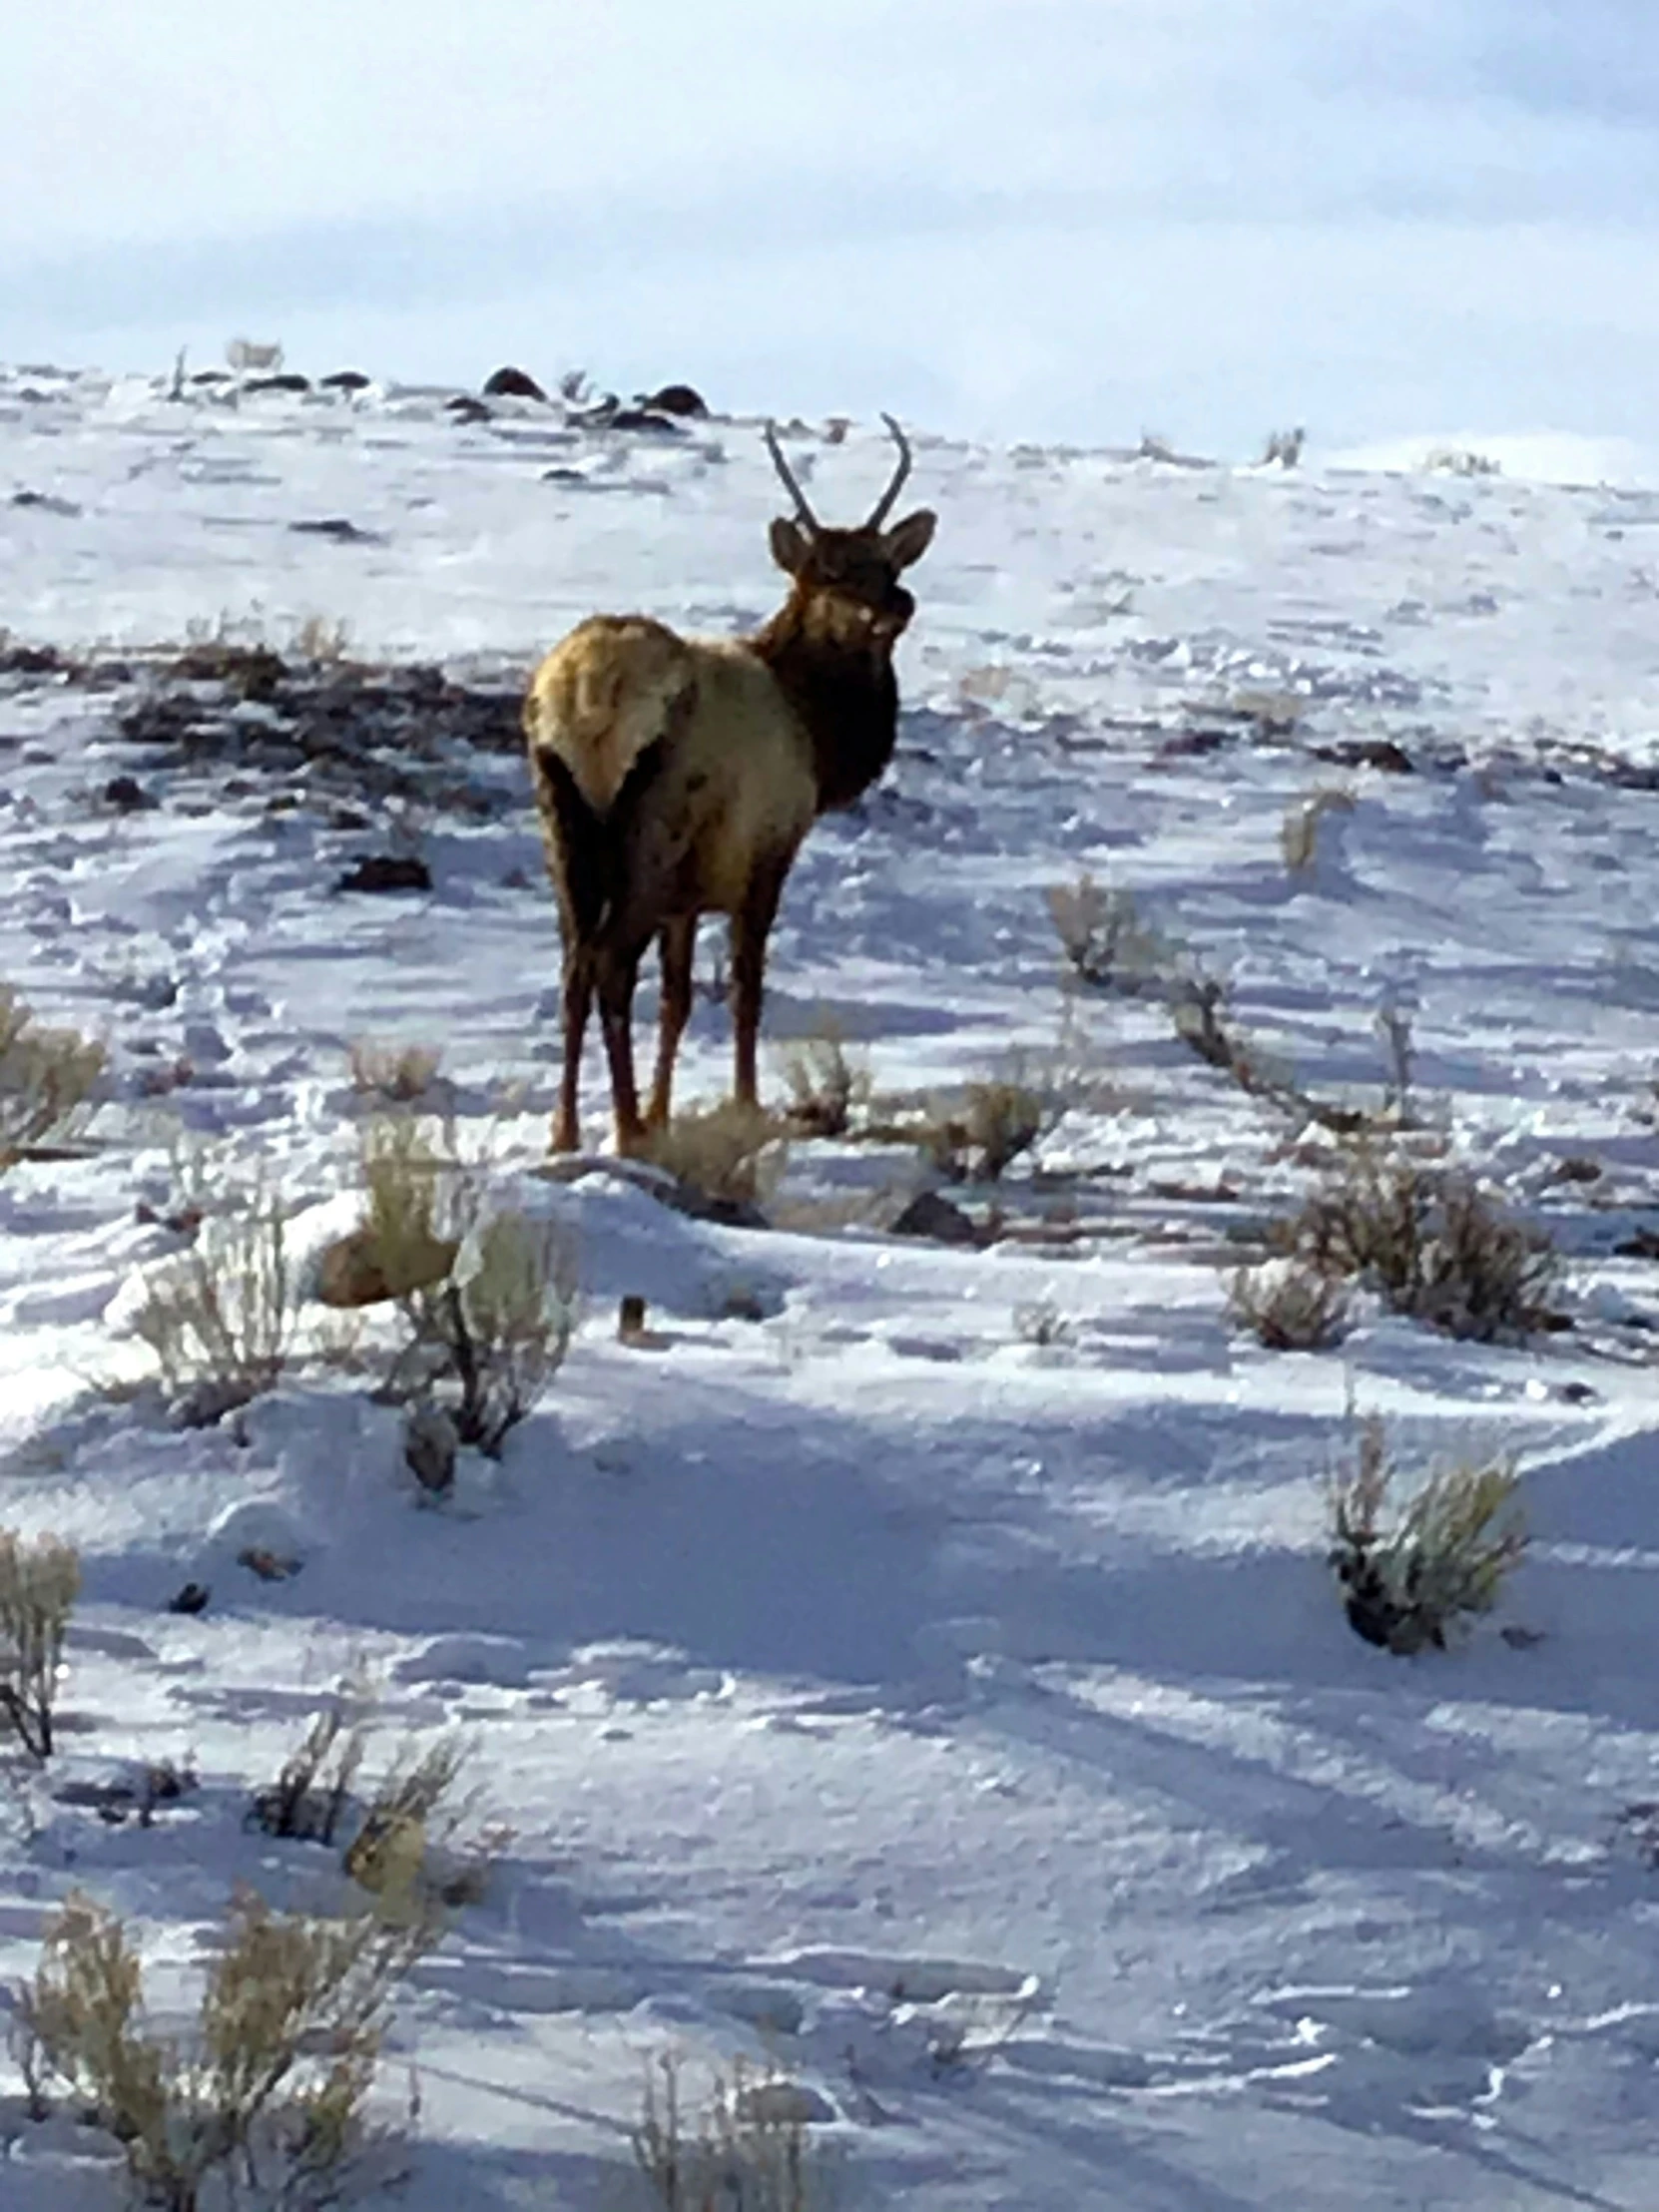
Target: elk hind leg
[617,969]
[678,943]
[578,998]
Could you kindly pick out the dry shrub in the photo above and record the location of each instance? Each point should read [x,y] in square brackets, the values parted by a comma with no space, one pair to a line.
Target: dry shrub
[1411,1579]
[1042,1325]
[220,1317]
[1104,938]
[999,1120]
[1299,831]
[824,1085]
[489,1304]
[323,641]
[1432,1241]
[406,1822]
[393,1074]
[748,2152]
[730,1155]
[47,1077]
[39,1584]
[1289,1307]
[486,1340]
[310,1797]
[419,1205]
[267,2090]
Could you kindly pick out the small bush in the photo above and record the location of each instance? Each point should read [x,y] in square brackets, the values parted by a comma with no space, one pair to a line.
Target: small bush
[748,2151]
[419,1205]
[503,1328]
[1448,460]
[1413,1579]
[310,1797]
[1289,1307]
[823,1085]
[39,1584]
[1104,938]
[220,1318]
[47,1078]
[395,1075]
[269,2088]
[323,641]
[1042,1325]
[999,1120]
[730,1155]
[1298,832]
[1434,1243]
[391,1853]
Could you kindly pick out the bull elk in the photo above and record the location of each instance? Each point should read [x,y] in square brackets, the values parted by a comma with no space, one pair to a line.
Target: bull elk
[677,776]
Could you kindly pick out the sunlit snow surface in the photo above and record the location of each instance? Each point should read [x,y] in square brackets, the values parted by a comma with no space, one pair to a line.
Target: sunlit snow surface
[970,1723]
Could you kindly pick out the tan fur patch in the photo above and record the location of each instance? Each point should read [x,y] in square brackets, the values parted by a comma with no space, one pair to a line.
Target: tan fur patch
[604,695]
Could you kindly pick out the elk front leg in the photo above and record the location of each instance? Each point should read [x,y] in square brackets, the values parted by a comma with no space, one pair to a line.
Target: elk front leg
[617,972]
[679,940]
[578,998]
[751,926]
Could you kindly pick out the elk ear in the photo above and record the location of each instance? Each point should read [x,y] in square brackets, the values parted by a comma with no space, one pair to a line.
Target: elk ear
[789,546]
[909,540]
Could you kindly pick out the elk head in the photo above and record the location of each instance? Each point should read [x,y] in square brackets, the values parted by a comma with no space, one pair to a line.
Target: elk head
[848,579]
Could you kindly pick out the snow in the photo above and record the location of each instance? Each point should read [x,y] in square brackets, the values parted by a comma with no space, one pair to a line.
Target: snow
[967,1719]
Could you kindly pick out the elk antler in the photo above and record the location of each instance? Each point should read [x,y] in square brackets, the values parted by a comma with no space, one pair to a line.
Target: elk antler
[883,506]
[802,508]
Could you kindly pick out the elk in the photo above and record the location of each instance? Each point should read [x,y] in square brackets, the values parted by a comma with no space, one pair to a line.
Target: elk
[677,776]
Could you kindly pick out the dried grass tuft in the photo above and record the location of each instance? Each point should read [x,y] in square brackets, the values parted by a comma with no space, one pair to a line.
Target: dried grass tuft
[39,1584]
[1411,1579]
[47,1077]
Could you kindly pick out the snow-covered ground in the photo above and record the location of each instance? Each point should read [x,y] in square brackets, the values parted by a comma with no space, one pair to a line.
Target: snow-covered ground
[969,1722]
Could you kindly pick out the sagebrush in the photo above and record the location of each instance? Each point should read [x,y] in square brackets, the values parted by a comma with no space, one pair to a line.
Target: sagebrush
[730,1155]
[1413,1577]
[1432,1241]
[220,1317]
[39,1583]
[266,2091]
[313,1791]
[748,2149]
[487,1340]
[47,1078]
[1289,1307]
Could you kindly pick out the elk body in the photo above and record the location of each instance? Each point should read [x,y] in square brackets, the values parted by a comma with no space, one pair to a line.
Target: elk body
[677,776]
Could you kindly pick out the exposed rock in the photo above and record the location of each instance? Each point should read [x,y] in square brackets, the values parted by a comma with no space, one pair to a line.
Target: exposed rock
[127,794]
[191,1599]
[466,409]
[283,379]
[930,1215]
[512,383]
[1378,753]
[341,528]
[344,380]
[642,418]
[387,871]
[430,1444]
[677,399]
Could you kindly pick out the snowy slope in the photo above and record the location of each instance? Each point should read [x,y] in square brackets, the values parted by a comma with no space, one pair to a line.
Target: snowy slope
[862,1679]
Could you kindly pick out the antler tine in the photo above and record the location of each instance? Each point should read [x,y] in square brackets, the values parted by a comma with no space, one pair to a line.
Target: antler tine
[801,507]
[883,506]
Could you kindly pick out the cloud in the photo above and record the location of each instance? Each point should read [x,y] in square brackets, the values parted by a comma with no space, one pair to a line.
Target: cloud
[1029,215]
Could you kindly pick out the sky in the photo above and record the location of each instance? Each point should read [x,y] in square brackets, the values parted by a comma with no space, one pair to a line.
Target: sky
[1023,218]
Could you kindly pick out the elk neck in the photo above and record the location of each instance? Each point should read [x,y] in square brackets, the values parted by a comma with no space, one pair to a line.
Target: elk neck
[838,680]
